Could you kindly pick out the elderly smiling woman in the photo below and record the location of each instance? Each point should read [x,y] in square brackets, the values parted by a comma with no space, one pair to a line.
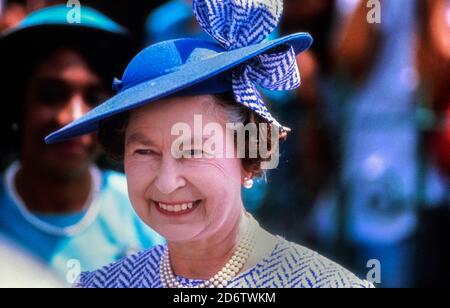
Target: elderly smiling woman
[186,187]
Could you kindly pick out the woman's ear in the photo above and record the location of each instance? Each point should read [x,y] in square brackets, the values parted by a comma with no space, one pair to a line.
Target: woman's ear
[245,173]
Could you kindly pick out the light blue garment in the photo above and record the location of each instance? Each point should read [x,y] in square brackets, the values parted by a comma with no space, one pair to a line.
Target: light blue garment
[380,166]
[380,156]
[115,232]
[380,140]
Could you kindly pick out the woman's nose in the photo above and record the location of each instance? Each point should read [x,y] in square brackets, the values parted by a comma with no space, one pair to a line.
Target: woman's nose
[169,177]
[74,109]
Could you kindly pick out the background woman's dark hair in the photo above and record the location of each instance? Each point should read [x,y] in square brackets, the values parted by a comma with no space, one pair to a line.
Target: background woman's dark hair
[112,133]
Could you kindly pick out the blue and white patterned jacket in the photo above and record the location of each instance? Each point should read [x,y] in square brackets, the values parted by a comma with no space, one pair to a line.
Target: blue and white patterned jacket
[288,266]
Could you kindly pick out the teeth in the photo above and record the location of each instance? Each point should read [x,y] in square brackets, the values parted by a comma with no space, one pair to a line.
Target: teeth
[176,207]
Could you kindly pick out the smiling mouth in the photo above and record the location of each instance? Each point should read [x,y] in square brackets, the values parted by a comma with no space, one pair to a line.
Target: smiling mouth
[176,209]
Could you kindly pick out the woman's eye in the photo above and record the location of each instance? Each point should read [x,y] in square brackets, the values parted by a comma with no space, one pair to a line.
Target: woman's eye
[196,153]
[193,153]
[144,152]
[52,95]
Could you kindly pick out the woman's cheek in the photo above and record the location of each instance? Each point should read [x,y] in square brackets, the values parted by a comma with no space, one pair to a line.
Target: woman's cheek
[219,181]
[139,176]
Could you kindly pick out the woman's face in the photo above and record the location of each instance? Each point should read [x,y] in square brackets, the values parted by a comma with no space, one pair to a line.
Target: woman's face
[183,199]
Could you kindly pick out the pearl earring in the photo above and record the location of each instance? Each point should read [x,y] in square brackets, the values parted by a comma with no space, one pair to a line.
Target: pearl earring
[248,183]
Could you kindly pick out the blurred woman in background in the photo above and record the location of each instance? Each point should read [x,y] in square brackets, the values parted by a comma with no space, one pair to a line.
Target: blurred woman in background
[54,201]
[433,62]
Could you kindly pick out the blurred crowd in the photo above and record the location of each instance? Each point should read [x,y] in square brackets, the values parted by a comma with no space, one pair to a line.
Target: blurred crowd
[364,175]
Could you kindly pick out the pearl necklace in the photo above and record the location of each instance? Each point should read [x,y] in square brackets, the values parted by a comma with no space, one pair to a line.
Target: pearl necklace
[224,276]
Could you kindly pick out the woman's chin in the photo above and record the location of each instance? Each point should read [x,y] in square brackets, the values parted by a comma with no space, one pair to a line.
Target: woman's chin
[180,234]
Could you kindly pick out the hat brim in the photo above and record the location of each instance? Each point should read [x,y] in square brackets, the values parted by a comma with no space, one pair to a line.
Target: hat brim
[187,76]
[50,27]
[21,41]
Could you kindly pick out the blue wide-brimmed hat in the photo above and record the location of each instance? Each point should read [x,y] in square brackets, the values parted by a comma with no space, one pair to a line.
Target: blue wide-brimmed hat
[240,60]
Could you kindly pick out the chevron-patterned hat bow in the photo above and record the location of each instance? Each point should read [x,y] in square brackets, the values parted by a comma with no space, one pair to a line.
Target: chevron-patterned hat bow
[240,23]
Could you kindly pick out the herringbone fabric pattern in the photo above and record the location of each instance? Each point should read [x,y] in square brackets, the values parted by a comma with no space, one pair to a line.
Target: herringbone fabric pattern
[288,266]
